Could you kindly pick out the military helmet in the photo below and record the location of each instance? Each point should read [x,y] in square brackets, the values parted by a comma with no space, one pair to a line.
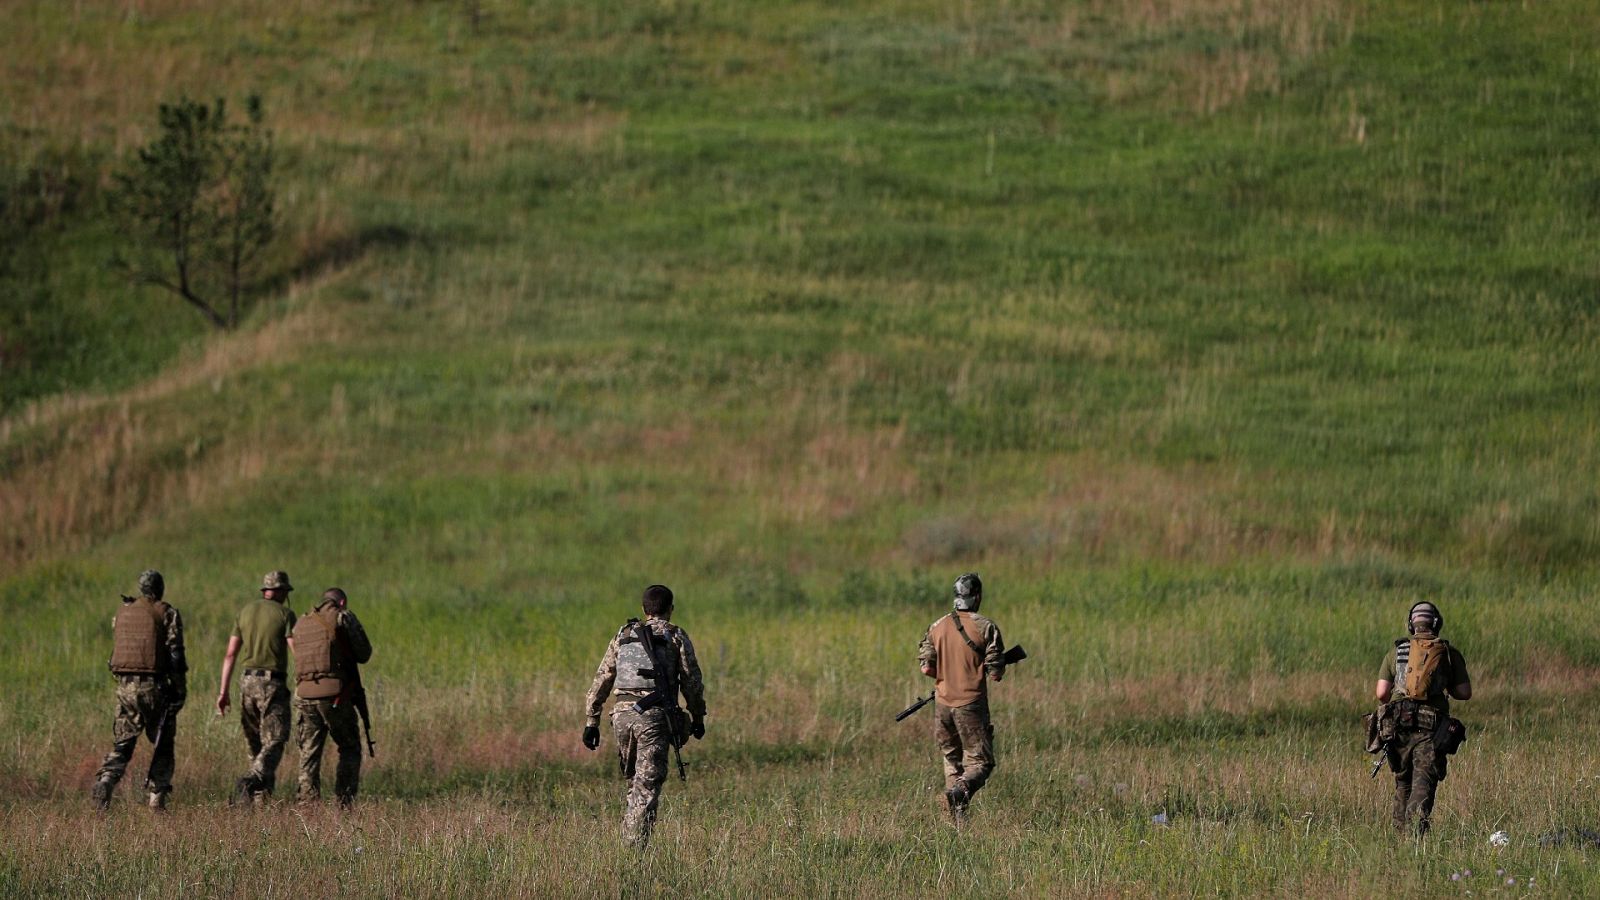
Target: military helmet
[151,584]
[1425,612]
[969,592]
[276,581]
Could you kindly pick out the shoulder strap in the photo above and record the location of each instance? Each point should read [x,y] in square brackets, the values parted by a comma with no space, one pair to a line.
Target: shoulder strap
[956,617]
[669,691]
[628,633]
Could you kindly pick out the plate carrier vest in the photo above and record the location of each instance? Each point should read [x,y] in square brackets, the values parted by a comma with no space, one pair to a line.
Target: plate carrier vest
[316,673]
[636,671]
[136,638]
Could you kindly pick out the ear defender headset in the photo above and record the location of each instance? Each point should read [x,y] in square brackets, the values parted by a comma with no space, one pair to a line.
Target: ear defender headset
[1435,618]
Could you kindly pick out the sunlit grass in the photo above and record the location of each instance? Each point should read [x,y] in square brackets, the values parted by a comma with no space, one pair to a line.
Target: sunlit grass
[1213,333]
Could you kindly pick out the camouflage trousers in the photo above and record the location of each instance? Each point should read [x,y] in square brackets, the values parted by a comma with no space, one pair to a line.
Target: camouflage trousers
[966,739]
[317,721]
[141,707]
[1418,768]
[264,715]
[643,741]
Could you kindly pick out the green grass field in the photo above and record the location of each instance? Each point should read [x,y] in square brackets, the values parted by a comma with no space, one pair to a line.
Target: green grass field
[1213,333]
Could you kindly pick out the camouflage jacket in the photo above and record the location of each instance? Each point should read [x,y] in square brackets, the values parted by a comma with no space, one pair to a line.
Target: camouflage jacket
[664,634]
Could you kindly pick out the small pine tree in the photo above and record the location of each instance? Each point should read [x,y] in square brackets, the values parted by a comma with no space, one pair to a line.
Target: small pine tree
[198,207]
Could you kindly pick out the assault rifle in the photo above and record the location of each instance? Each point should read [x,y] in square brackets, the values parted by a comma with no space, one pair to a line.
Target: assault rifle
[661,697]
[161,728]
[358,696]
[1012,657]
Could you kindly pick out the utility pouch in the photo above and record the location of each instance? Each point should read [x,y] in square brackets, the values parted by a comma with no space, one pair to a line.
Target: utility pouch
[680,725]
[1405,714]
[1429,720]
[1455,734]
[1370,720]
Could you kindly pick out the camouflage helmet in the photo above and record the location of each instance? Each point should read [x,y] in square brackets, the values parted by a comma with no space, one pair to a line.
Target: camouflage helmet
[969,592]
[151,584]
[276,581]
[1424,614]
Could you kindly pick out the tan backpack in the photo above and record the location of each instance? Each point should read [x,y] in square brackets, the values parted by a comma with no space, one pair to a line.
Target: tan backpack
[1422,663]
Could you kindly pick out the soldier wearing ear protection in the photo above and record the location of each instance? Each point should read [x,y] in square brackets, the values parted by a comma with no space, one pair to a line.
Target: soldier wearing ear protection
[958,651]
[1418,677]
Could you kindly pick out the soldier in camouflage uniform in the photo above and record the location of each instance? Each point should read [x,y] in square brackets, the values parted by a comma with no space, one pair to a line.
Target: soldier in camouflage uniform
[1418,748]
[329,643]
[264,633]
[957,651]
[648,663]
[152,684]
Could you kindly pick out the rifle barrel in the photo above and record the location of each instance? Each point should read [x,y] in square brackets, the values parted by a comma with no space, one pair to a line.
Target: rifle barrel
[921,702]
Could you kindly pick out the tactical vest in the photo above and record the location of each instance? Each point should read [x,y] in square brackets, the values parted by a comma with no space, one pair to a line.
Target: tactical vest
[136,638]
[636,671]
[315,669]
[1421,678]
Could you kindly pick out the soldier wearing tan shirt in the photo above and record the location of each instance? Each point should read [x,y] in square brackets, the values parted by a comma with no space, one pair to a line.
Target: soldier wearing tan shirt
[958,652]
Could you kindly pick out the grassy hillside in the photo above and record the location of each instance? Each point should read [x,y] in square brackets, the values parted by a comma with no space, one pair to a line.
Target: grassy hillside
[1212,332]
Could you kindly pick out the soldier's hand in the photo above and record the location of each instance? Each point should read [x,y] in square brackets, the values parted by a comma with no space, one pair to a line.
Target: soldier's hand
[591,736]
[222,703]
[697,729]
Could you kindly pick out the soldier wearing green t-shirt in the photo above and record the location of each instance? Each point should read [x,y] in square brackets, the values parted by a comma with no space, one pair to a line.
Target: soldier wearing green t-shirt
[1419,675]
[259,645]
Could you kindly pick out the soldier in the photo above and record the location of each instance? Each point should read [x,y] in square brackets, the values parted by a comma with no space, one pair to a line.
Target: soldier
[152,683]
[956,652]
[329,643]
[1420,674]
[648,663]
[264,630]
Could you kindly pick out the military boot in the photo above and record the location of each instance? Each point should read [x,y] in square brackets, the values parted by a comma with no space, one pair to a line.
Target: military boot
[243,791]
[100,794]
[956,799]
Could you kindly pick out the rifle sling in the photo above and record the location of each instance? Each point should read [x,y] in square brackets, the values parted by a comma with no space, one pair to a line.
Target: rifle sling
[956,617]
[669,693]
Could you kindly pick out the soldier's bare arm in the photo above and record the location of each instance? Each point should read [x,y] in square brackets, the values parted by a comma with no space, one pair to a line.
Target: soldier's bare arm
[1386,677]
[1462,689]
[604,677]
[227,672]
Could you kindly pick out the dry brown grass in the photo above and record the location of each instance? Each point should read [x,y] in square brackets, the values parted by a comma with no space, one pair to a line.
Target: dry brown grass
[1262,39]
[87,464]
